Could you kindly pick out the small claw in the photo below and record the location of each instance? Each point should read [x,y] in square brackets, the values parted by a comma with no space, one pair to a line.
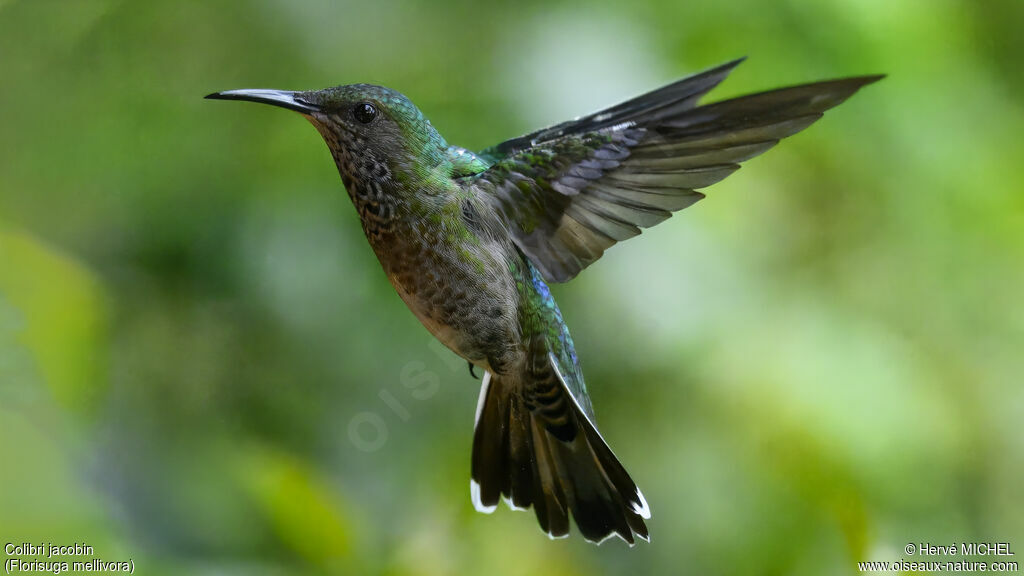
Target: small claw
[471,373]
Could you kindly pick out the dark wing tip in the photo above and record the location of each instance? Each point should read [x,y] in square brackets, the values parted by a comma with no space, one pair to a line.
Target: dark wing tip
[860,81]
[853,83]
[733,63]
[717,73]
[843,88]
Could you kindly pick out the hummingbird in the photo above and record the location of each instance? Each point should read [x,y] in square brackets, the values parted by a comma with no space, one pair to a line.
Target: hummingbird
[472,240]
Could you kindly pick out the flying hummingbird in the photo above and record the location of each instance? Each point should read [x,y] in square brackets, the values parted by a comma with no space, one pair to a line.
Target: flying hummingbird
[470,240]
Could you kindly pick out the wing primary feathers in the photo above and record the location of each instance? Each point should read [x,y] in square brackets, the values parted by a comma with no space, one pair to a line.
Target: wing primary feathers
[569,192]
[664,101]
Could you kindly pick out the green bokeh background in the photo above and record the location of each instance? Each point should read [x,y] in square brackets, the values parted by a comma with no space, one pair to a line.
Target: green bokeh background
[203,368]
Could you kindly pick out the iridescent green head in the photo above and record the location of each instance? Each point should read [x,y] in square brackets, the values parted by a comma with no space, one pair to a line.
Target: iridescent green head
[374,133]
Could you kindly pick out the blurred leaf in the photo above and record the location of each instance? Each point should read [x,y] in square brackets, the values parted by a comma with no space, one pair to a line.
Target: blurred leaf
[303,509]
[817,362]
[63,314]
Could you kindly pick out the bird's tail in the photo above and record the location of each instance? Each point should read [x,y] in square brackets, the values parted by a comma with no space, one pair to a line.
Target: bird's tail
[535,446]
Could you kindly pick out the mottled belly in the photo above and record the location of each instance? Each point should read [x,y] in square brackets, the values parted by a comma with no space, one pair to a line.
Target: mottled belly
[464,296]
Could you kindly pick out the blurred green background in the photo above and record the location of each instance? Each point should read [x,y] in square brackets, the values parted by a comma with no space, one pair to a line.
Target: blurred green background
[203,368]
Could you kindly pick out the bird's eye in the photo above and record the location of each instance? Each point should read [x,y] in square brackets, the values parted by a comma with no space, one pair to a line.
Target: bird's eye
[364,112]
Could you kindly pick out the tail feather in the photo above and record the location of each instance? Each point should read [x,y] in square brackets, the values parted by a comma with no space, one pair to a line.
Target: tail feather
[561,470]
[485,495]
[550,500]
[521,474]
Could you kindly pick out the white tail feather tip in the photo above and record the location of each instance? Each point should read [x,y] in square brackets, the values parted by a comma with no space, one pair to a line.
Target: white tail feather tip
[474,493]
[511,506]
[641,507]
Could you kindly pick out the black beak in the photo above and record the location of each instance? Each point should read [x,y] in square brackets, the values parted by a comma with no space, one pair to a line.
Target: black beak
[282,98]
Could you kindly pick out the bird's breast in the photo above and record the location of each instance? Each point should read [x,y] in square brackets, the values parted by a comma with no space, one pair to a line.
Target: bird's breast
[457,285]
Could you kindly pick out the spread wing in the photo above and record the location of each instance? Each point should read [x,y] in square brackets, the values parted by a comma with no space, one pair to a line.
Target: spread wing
[569,192]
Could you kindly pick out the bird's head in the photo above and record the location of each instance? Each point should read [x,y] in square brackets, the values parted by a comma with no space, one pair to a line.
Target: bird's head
[375,134]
